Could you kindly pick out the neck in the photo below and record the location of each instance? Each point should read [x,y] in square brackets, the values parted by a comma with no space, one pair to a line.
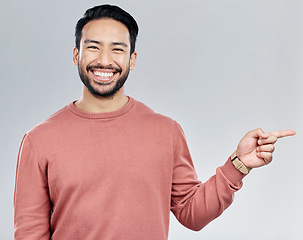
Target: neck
[93,104]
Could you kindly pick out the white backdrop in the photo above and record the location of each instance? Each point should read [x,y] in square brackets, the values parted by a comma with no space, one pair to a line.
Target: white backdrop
[220,68]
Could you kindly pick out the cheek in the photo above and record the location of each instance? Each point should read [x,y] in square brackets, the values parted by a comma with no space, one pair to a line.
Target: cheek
[81,64]
[86,58]
[122,61]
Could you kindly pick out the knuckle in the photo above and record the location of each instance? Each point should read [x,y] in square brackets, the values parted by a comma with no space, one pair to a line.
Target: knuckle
[269,159]
[272,139]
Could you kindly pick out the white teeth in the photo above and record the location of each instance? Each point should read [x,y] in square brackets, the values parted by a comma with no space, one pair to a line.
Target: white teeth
[103,74]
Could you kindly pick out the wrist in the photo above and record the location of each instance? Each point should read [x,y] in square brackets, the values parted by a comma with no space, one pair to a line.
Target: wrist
[239,164]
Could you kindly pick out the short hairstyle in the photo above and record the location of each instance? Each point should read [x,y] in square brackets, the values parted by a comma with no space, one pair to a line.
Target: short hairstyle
[112,12]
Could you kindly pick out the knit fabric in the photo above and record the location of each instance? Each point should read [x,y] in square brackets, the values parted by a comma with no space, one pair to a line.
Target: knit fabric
[112,176]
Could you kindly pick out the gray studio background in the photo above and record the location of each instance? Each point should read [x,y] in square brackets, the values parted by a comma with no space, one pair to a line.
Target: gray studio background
[220,68]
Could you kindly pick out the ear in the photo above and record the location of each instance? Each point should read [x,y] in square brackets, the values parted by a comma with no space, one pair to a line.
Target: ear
[75,56]
[133,59]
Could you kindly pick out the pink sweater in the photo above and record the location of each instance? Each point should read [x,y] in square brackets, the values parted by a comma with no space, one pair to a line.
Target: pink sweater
[112,176]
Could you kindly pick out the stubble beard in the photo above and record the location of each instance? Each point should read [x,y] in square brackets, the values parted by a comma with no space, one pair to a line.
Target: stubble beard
[109,93]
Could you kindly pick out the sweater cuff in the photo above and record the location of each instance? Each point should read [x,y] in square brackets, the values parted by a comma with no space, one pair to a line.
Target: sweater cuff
[231,173]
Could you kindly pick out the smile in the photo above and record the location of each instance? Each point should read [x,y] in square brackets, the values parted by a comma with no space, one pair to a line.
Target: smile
[103,74]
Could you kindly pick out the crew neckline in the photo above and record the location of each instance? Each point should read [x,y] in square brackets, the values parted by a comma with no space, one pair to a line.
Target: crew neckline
[102,115]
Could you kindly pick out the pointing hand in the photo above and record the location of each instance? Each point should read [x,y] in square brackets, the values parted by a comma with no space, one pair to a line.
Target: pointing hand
[256,147]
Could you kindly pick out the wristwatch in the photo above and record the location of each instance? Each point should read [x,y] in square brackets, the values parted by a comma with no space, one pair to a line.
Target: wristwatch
[238,164]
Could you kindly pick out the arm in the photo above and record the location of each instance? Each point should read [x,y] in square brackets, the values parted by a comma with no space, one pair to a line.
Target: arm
[31,198]
[195,204]
[196,207]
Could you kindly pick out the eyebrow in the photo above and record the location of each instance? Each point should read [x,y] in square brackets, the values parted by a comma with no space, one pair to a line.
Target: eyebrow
[100,43]
[91,41]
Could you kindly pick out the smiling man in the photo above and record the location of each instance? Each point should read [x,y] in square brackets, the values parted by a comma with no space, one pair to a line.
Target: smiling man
[104,58]
[102,75]
[108,167]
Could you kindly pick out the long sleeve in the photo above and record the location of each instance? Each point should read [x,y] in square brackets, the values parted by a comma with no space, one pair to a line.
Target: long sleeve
[31,198]
[195,204]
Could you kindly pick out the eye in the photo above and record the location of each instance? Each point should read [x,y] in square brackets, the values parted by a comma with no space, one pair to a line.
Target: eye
[118,50]
[92,47]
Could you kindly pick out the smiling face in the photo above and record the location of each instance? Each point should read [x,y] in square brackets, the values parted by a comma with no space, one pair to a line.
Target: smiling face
[104,58]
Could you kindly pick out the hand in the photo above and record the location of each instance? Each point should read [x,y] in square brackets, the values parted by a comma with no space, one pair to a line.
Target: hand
[256,147]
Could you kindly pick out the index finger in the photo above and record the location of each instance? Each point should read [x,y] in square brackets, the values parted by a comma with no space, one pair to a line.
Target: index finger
[283,133]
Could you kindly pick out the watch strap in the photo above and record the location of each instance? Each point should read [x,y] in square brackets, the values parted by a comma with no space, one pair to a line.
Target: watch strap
[238,164]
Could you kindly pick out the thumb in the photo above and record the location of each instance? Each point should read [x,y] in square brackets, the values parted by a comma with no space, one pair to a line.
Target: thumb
[257,133]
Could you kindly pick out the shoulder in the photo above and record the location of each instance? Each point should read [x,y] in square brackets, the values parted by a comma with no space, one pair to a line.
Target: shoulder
[50,125]
[149,118]
[149,114]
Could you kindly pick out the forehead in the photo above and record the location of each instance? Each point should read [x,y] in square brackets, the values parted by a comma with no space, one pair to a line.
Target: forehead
[105,30]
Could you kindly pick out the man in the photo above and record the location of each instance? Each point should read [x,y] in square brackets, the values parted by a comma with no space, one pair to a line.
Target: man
[106,166]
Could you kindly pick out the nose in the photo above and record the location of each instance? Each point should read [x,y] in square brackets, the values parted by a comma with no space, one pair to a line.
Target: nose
[105,58]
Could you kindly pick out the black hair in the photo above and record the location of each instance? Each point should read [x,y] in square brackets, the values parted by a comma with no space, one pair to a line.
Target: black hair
[112,12]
